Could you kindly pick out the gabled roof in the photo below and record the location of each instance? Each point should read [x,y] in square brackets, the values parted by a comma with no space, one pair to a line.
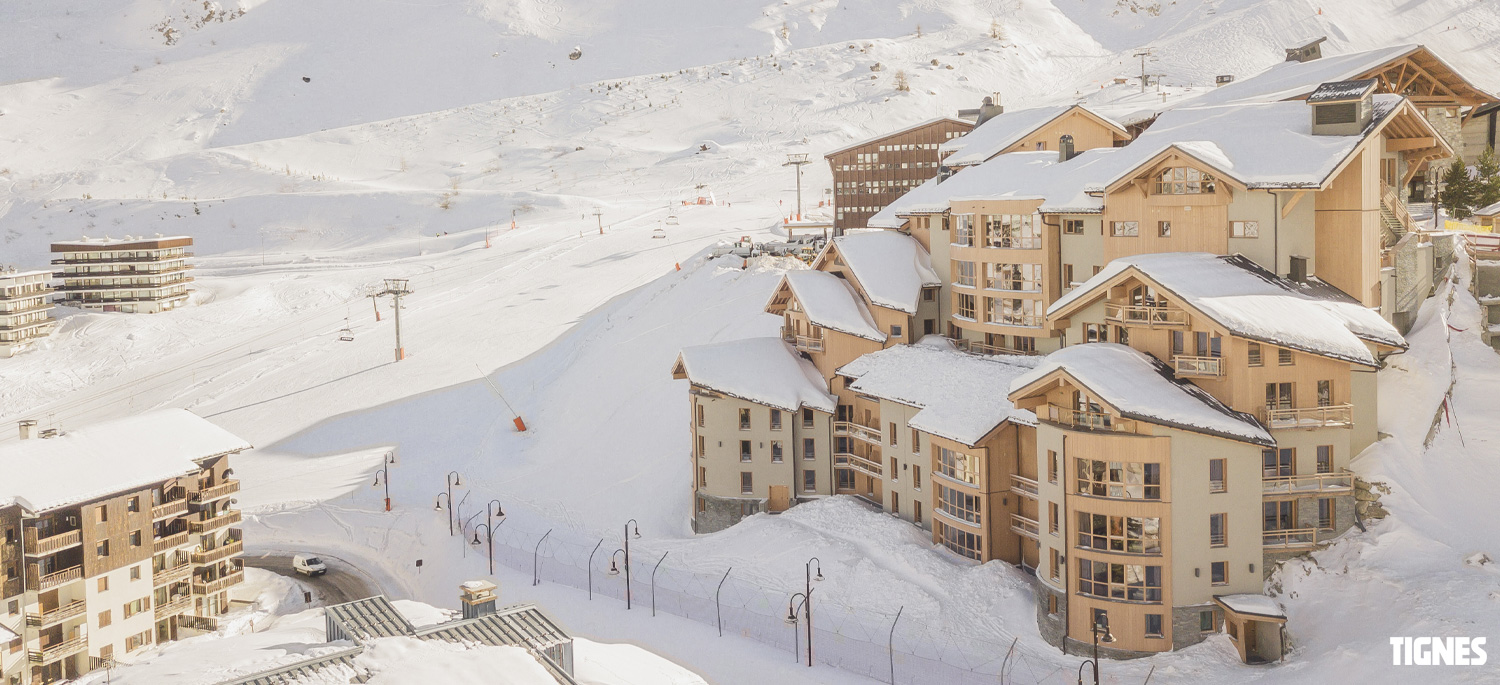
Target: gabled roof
[829,302]
[890,268]
[1491,210]
[109,457]
[761,370]
[1248,301]
[958,394]
[1142,388]
[1288,80]
[366,619]
[1009,128]
[891,134]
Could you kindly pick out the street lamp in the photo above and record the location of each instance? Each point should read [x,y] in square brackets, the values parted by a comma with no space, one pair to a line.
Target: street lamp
[464,528]
[793,607]
[489,531]
[492,510]
[807,598]
[383,476]
[1100,625]
[629,525]
[452,480]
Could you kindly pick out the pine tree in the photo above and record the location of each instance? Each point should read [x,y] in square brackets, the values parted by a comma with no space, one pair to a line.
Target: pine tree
[1458,195]
[1487,191]
[996,30]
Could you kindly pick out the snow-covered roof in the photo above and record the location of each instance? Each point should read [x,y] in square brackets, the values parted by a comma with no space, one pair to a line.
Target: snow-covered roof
[1005,130]
[108,241]
[18,275]
[1294,79]
[1489,210]
[1338,91]
[1255,605]
[891,267]
[110,457]
[1253,303]
[762,370]
[1142,388]
[958,394]
[897,132]
[832,303]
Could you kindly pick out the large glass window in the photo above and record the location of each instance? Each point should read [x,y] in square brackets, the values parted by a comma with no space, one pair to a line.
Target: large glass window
[1024,277]
[963,230]
[1119,581]
[1118,479]
[1009,311]
[1020,231]
[1184,181]
[1130,534]
[958,466]
[963,274]
[963,305]
[959,505]
[961,541]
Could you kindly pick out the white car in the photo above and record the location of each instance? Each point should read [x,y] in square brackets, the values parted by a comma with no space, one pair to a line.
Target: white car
[308,565]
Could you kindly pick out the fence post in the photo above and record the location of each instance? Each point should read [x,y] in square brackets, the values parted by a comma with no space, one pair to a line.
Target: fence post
[718,616]
[1003,664]
[591,569]
[890,646]
[653,580]
[536,576]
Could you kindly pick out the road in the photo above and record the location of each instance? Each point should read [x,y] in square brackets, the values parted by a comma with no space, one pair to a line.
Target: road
[343,582]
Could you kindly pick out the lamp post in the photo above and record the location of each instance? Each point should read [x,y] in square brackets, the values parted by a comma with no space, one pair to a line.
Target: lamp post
[489,531]
[629,525]
[492,510]
[807,598]
[383,477]
[1100,625]
[793,607]
[797,159]
[452,480]
[464,528]
[614,570]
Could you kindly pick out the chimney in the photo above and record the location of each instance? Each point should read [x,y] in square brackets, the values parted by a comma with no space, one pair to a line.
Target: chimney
[26,427]
[1342,108]
[945,172]
[989,109]
[1299,269]
[1065,148]
[1306,53]
[478,597]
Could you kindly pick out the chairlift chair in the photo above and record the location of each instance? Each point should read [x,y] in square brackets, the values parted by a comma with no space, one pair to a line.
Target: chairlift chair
[671,219]
[347,334]
[658,233]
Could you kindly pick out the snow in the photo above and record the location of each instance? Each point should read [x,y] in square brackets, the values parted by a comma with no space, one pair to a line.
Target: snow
[955,391]
[1259,605]
[1251,302]
[1141,388]
[401,660]
[113,456]
[1341,90]
[891,267]
[832,303]
[1293,79]
[108,241]
[762,370]
[889,134]
[1003,131]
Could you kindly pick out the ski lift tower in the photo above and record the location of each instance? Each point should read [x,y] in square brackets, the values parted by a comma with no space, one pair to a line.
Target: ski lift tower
[396,287]
[797,159]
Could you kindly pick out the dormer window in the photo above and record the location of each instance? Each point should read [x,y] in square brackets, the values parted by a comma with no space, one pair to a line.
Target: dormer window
[1184,181]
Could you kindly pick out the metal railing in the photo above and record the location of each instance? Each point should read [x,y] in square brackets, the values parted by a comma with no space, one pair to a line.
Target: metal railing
[53,617]
[1308,485]
[857,431]
[215,492]
[1024,486]
[866,465]
[223,519]
[56,651]
[1149,316]
[1198,367]
[1025,527]
[1310,417]
[40,547]
[1088,420]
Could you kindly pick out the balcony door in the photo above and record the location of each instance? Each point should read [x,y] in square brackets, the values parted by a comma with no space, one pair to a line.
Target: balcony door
[1279,515]
[1277,462]
[1278,396]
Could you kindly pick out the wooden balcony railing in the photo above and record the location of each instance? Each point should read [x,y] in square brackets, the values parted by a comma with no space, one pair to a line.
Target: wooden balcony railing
[1198,367]
[41,547]
[210,494]
[854,461]
[1016,320]
[857,431]
[1015,242]
[1295,538]
[174,605]
[1392,200]
[163,544]
[991,350]
[62,577]
[1088,420]
[1308,485]
[55,651]
[1312,417]
[223,519]
[62,613]
[227,549]
[802,342]
[203,623]
[212,586]
[172,574]
[1023,486]
[1150,317]
[1025,527]
[169,509]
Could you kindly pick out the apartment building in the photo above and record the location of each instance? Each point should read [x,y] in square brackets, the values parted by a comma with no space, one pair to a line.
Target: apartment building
[117,536]
[131,275]
[869,174]
[24,309]
[1036,129]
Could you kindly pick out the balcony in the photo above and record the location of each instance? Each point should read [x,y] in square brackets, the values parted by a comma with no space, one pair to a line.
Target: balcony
[802,342]
[864,465]
[169,509]
[174,605]
[62,577]
[1087,420]
[1148,316]
[991,350]
[1197,367]
[1007,242]
[173,574]
[163,544]
[225,550]
[1015,320]
[1316,484]
[47,619]
[223,519]
[1335,416]
[1296,538]
[1025,527]
[857,431]
[41,547]
[1023,486]
[202,623]
[211,586]
[210,494]
[56,651]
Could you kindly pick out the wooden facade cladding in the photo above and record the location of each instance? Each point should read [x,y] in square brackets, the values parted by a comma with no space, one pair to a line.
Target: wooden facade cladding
[1006,452]
[1089,132]
[115,532]
[871,175]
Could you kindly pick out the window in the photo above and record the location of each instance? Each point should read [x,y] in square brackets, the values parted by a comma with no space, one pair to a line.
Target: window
[963,306]
[1218,531]
[1072,226]
[916,511]
[1013,312]
[102,549]
[1129,534]
[1124,229]
[13,607]
[1052,466]
[1325,513]
[1129,582]
[1206,621]
[136,606]
[809,449]
[1325,393]
[747,483]
[1277,462]
[896,503]
[892,432]
[1284,357]
[959,505]
[105,619]
[101,513]
[929,294]
[1122,335]
[916,441]
[1095,332]
[1163,230]
[929,326]
[135,538]
[1276,516]
[103,584]
[963,274]
[1278,395]
[1015,231]
[1255,359]
[809,480]
[895,468]
[1052,599]
[963,230]
[744,419]
[1121,480]
[961,541]
[701,449]
[133,504]
[958,466]
[807,418]
[845,479]
[1054,519]
[1244,229]
[744,450]
[1153,625]
[1219,573]
[1184,181]
[916,477]
[1067,276]
[1020,277]
[137,641]
[775,419]
[1325,458]
[895,331]
[700,416]
[10,536]
[702,476]
[775,451]
[1217,469]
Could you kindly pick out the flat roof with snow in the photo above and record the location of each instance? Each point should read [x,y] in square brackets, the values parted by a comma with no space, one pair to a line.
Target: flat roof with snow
[891,268]
[1252,605]
[761,370]
[892,134]
[113,456]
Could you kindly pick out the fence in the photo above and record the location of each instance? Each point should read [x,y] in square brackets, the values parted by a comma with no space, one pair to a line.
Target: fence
[853,639]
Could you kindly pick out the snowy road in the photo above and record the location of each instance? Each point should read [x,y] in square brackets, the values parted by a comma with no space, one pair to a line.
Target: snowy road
[344,582]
